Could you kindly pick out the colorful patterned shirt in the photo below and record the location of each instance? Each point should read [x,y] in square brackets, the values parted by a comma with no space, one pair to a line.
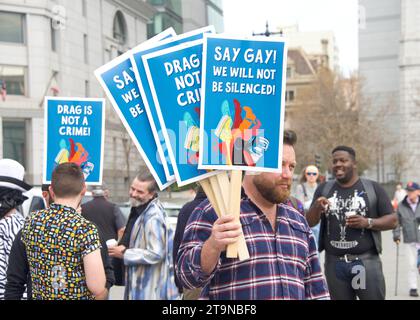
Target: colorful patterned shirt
[283,264]
[56,241]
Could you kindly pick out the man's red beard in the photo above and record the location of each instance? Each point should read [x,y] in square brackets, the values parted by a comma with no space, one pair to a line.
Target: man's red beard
[270,190]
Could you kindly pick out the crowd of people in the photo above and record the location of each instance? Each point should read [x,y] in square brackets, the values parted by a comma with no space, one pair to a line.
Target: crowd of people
[79,251]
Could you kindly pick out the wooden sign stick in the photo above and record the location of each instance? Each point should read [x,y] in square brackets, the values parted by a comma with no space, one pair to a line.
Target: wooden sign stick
[218,194]
[235,209]
[208,190]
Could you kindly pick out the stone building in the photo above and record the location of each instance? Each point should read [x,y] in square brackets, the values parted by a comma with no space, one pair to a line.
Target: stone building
[52,47]
[389,66]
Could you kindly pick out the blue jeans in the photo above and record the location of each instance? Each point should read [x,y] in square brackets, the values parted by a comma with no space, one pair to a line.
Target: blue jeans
[315,231]
[418,258]
[361,279]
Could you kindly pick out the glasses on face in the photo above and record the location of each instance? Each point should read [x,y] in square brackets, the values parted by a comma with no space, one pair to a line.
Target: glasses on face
[311,173]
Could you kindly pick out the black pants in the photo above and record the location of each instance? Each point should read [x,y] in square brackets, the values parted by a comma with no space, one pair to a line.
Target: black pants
[363,278]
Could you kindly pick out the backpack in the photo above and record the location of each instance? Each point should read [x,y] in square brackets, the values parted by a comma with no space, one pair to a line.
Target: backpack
[297,204]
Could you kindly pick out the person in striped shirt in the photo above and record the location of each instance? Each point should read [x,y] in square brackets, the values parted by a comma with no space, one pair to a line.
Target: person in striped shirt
[283,261]
[12,188]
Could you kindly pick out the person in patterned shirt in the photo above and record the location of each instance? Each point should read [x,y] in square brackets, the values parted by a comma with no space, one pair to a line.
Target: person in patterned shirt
[283,261]
[63,248]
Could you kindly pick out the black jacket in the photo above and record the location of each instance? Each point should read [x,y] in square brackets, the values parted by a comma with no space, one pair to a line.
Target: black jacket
[105,215]
[183,216]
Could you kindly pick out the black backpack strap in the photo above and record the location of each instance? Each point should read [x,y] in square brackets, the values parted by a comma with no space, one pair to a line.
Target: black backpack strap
[293,200]
[305,194]
[373,213]
[371,195]
[327,188]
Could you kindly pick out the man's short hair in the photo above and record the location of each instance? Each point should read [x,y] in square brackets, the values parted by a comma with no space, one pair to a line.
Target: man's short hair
[346,149]
[67,180]
[45,187]
[146,176]
[289,137]
[100,190]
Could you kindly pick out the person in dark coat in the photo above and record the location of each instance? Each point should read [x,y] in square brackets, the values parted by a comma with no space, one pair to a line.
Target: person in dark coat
[183,217]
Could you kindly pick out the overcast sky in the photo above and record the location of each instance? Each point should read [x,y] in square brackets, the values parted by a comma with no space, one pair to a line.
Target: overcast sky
[243,17]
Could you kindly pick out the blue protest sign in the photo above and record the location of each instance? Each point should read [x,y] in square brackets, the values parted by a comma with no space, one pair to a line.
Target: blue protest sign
[74,132]
[174,76]
[118,81]
[242,106]
[141,77]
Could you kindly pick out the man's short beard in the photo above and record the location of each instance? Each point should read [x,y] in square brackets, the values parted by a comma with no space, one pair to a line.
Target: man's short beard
[270,193]
[347,177]
[134,202]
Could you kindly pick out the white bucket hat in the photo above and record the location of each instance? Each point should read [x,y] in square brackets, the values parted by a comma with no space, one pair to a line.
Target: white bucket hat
[11,175]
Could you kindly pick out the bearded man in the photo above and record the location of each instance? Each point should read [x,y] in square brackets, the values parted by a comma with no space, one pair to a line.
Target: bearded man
[283,261]
[144,246]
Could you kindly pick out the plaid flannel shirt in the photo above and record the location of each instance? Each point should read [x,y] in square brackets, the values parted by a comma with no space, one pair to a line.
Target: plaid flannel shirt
[282,265]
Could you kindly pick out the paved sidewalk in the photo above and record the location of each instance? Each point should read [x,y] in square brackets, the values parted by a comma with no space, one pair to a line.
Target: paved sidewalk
[389,258]
[389,265]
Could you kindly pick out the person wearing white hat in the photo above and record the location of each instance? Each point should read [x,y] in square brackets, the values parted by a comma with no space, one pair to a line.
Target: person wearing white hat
[11,221]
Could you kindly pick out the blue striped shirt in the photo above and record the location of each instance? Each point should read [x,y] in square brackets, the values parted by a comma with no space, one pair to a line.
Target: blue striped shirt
[282,265]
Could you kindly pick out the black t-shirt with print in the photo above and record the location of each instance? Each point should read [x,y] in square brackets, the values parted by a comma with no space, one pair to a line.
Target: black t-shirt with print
[339,239]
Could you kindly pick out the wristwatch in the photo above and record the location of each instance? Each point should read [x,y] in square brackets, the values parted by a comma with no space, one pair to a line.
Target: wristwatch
[370,223]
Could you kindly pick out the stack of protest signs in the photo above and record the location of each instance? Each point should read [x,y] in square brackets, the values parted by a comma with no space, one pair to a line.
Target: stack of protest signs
[200,105]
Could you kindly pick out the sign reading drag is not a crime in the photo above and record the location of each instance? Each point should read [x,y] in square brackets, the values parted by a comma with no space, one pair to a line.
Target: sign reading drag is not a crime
[242,106]
[74,132]
[174,77]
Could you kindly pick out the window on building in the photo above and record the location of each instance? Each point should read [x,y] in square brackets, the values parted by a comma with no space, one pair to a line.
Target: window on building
[84,8]
[162,21]
[85,48]
[11,27]
[289,72]
[14,77]
[120,28]
[14,140]
[173,5]
[290,95]
[53,38]
[215,17]
[87,88]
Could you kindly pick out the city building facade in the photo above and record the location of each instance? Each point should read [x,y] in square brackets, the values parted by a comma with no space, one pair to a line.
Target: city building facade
[389,67]
[186,15]
[319,44]
[51,48]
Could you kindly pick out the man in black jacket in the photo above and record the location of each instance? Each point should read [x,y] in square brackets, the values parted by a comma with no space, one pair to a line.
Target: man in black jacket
[104,214]
[183,217]
[109,220]
[18,275]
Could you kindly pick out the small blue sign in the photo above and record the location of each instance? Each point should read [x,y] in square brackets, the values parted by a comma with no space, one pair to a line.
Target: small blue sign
[174,76]
[141,77]
[242,110]
[74,132]
[119,82]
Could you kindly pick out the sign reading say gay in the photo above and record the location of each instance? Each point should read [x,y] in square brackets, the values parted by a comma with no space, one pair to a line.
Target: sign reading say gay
[242,107]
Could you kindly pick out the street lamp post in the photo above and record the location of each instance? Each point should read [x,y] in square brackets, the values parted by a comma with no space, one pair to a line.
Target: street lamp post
[267,32]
